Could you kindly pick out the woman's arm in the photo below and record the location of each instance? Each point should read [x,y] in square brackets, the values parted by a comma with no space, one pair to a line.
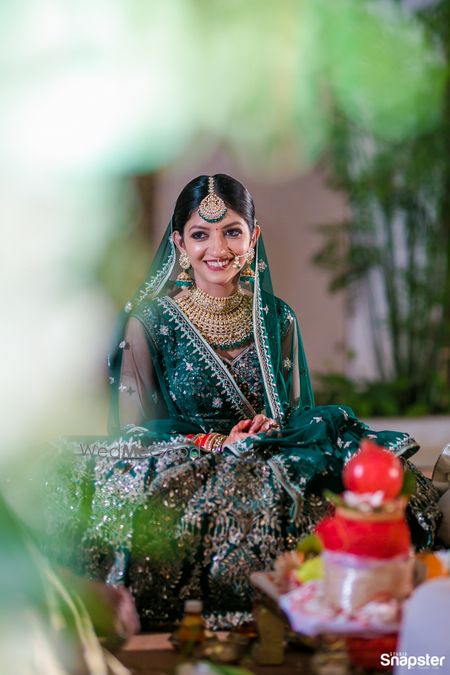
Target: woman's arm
[140,397]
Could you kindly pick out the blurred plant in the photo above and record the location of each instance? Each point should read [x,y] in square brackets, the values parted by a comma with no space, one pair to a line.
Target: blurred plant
[396,247]
[390,398]
[111,87]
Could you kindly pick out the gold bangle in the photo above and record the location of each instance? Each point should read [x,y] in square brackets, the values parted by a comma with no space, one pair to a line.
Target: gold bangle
[214,442]
[209,443]
[218,442]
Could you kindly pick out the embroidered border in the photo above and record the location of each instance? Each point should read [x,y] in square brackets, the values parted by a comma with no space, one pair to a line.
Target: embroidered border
[262,349]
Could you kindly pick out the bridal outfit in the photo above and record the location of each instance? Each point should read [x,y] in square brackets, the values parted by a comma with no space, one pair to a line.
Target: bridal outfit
[149,508]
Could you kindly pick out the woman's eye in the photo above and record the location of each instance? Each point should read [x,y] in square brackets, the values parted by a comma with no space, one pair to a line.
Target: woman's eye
[234,233]
[198,235]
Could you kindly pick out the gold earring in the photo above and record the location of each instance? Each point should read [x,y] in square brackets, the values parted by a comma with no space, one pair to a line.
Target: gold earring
[184,279]
[185,263]
[247,274]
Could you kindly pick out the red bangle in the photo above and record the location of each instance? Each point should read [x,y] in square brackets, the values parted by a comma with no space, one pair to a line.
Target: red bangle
[198,439]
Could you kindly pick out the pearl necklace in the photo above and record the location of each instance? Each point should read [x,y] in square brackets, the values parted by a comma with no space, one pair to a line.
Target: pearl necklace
[226,323]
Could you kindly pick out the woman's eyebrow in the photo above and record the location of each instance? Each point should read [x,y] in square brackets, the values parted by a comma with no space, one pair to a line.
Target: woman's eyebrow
[205,227]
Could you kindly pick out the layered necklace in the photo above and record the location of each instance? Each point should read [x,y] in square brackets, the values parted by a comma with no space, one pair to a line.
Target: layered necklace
[226,323]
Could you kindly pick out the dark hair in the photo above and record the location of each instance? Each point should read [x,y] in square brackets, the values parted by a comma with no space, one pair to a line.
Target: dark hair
[233,193]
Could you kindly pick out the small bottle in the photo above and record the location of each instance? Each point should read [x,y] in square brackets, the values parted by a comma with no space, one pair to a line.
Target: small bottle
[191,632]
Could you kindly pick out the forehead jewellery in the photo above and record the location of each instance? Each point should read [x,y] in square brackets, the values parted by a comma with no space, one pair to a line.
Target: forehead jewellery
[212,208]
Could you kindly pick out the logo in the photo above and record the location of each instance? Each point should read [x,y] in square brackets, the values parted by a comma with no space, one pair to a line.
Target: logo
[403,659]
[116,450]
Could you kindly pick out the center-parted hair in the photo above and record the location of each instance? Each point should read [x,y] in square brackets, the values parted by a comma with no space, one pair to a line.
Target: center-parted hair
[233,193]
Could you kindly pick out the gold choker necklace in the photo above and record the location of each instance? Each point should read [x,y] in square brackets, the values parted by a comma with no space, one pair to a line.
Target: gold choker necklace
[226,323]
[217,305]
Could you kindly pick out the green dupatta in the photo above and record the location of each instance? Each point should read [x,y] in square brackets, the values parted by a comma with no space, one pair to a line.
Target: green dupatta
[279,395]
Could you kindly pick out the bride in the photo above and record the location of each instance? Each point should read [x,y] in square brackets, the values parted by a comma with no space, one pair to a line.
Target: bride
[217,457]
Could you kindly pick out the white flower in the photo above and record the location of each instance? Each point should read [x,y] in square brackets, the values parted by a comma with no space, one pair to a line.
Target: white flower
[262,265]
[363,499]
[164,330]
[189,366]
[266,309]
[123,344]
[217,402]
[122,387]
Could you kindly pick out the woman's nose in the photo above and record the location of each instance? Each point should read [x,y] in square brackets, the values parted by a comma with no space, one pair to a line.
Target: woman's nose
[218,245]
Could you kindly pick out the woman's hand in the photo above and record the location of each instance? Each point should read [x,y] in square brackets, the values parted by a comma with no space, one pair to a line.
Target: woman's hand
[239,432]
[249,428]
[261,423]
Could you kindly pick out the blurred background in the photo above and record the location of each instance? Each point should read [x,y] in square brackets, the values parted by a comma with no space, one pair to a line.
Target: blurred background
[335,115]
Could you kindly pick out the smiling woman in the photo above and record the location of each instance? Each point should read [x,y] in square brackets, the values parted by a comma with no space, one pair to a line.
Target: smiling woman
[216,238]
[223,457]
[216,246]
[215,250]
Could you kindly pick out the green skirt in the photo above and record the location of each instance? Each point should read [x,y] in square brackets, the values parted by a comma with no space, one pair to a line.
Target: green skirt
[151,511]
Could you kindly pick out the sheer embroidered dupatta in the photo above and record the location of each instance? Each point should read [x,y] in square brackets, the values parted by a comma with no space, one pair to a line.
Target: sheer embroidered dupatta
[282,359]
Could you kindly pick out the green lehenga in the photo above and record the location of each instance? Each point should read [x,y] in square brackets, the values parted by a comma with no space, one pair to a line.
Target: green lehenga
[171,521]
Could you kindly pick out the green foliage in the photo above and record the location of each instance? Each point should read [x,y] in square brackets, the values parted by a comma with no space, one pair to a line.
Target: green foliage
[390,398]
[396,247]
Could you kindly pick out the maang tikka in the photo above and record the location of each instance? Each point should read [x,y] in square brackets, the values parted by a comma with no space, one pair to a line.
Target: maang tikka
[212,207]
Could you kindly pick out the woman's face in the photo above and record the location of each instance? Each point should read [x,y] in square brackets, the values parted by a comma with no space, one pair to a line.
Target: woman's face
[212,248]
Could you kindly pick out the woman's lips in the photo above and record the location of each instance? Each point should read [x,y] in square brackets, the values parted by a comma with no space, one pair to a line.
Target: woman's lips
[217,266]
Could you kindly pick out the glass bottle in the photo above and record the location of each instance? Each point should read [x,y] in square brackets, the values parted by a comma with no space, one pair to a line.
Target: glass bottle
[191,632]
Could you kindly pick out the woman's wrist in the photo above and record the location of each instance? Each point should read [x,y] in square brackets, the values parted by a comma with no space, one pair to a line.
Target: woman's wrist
[198,439]
[215,442]
[211,442]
